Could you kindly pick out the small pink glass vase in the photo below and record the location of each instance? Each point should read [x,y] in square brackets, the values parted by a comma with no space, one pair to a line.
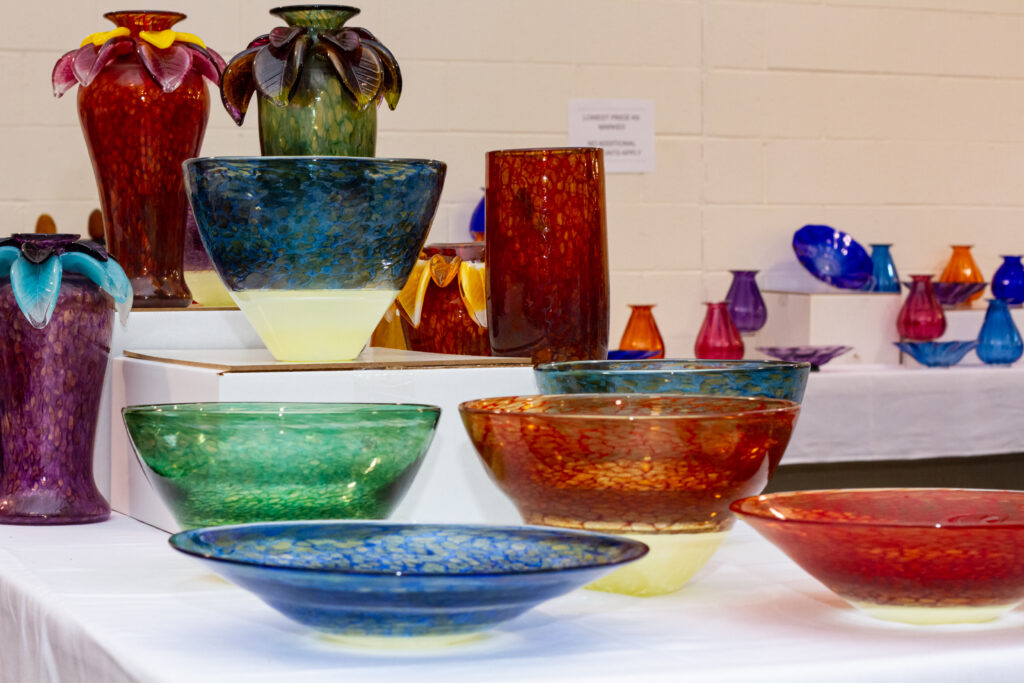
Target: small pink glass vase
[921,318]
[718,338]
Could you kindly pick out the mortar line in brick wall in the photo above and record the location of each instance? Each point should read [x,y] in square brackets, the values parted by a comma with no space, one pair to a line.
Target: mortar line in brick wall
[863,72]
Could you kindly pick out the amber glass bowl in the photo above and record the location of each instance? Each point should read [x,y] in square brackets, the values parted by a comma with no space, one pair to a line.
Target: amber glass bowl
[649,464]
[921,556]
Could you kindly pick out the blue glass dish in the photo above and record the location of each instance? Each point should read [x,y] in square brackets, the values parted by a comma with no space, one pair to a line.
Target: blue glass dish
[759,379]
[631,354]
[833,256]
[382,579]
[937,354]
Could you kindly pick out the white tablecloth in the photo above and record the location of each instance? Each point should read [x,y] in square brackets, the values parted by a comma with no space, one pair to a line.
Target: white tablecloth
[112,602]
[859,413]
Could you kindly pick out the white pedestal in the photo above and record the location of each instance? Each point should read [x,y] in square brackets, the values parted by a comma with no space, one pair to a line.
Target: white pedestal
[865,321]
[451,486]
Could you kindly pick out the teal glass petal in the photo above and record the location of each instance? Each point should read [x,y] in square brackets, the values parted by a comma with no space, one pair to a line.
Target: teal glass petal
[36,287]
[108,275]
[8,255]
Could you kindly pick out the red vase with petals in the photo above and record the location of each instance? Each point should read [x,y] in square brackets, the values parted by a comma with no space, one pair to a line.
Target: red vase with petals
[921,318]
[718,338]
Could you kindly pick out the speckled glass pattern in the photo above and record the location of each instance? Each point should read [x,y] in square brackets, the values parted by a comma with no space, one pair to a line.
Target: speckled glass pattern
[230,463]
[926,548]
[766,379]
[640,463]
[318,223]
[381,579]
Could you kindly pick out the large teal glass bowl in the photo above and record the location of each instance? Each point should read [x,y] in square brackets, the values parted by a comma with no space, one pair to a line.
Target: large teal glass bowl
[757,379]
[232,463]
[313,249]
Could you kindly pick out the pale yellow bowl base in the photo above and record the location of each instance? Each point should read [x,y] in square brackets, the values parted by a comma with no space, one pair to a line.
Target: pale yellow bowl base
[403,642]
[315,325]
[208,289]
[672,561]
[933,616]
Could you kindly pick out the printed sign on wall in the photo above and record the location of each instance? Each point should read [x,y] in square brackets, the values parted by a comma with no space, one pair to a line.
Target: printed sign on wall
[623,128]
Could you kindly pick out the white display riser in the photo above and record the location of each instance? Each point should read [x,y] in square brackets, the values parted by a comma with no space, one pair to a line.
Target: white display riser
[192,328]
[865,321]
[452,485]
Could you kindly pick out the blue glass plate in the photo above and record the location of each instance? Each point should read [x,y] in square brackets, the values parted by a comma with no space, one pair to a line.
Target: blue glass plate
[937,354]
[631,354]
[833,256]
[382,579]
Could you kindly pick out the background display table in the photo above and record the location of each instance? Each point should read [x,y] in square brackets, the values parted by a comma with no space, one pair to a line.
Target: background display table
[113,602]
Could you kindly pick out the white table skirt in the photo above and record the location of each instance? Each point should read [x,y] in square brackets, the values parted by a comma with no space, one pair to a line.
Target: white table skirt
[861,413]
[113,602]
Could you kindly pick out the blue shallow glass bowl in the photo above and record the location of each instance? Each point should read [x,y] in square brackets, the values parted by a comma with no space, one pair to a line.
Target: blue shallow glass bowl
[833,256]
[631,354]
[379,579]
[938,354]
[760,379]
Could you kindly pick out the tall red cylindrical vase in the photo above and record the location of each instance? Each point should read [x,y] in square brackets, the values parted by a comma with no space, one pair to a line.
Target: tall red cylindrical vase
[138,132]
[547,254]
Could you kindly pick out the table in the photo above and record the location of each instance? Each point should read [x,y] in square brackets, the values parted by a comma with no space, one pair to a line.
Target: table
[112,602]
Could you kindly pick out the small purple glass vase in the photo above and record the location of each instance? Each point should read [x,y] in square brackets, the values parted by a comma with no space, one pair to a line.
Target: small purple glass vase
[55,339]
[746,306]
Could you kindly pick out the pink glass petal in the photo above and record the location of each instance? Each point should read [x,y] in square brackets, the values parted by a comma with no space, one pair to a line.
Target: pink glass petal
[90,60]
[203,62]
[167,67]
[258,41]
[64,74]
[346,39]
[282,36]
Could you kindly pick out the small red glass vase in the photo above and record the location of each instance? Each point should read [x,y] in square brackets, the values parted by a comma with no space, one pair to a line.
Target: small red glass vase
[921,318]
[547,254]
[641,333]
[718,338]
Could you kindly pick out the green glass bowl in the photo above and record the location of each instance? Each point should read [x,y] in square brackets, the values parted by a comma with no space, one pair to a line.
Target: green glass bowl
[234,463]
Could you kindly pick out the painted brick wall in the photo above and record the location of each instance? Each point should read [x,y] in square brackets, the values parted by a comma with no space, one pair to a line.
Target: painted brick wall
[897,120]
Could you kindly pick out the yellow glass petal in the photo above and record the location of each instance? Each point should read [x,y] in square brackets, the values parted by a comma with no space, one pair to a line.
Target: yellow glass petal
[189,38]
[443,269]
[410,299]
[101,37]
[160,39]
[473,288]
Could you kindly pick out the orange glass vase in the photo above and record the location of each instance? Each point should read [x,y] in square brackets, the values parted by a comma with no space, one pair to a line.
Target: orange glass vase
[641,333]
[962,268]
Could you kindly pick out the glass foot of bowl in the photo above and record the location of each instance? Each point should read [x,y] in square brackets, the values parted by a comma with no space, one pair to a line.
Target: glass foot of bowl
[672,561]
[208,289]
[933,616]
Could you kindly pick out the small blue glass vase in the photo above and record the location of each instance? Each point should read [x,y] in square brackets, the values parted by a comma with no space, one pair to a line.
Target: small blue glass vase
[883,273]
[746,306]
[1008,281]
[999,342]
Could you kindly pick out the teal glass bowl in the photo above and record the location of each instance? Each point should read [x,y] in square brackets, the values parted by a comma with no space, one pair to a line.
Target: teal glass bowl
[745,378]
[232,463]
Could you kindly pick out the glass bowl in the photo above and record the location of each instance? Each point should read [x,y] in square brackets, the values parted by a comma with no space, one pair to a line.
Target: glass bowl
[381,583]
[763,378]
[937,354]
[815,355]
[832,256]
[230,463]
[313,249]
[919,556]
[956,293]
[631,354]
[662,467]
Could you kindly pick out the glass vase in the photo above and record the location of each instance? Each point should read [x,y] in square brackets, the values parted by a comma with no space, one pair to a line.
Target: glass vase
[453,304]
[962,268]
[1008,281]
[921,317]
[999,342]
[883,274]
[718,338]
[746,306]
[547,254]
[641,333]
[138,133]
[53,378]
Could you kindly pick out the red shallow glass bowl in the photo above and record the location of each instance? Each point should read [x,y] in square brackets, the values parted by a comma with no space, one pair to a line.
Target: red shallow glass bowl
[642,463]
[921,556]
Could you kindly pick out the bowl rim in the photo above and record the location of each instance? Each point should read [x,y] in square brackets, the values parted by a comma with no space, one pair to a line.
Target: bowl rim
[782,406]
[594,366]
[328,406]
[764,515]
[356,161]
[632,549]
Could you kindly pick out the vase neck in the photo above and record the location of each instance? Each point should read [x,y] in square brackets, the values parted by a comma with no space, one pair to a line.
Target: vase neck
[1012,259]
[327,17]
[137,21]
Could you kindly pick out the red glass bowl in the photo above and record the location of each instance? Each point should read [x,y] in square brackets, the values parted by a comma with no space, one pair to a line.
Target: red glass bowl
[920,556]
[646,464]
